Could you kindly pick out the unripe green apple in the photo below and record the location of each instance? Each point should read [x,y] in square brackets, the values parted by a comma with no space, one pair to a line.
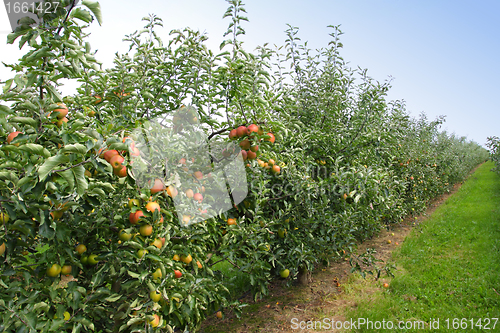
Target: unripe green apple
[157,274]
[4,218]
[54,270]
[155,296]
[92,259]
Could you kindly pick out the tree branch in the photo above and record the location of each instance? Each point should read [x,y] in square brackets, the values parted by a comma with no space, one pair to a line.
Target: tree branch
[73,166]
[357,133]
[218,132]
[73,3]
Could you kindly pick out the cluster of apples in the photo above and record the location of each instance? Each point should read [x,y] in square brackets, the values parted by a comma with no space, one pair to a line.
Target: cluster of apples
[172,191]
[115,158]
[61,113]
[198,196]
[248,143]
[195,196]
[185,116]
[187,259]
[145,229]
[270,165]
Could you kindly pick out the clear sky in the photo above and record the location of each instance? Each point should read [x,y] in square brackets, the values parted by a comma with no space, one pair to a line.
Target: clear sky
[443,56]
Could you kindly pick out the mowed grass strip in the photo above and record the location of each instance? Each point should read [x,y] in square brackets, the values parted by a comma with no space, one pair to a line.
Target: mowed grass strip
[449,266]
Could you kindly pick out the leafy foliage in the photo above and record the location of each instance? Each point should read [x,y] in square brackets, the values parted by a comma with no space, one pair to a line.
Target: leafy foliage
[494,146]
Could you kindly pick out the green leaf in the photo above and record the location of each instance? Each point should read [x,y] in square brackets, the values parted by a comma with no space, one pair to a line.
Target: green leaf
[54,93]
[46,231]
[77,328]
[34,148]
[74,148]
[81,182]
[56,324]
[93,133]
[95,8]
[118,146]
[7,175]
[7,86]
[26,180]
[77,124]
[21,30]
[81,14]
[24,120]
[97,191]
[154,257]
[69,178]
[29,106]
[113,298]
[88,324]
[106,186]
[4,109]
[50,164]
[10,164]
[42,305]
[133,274]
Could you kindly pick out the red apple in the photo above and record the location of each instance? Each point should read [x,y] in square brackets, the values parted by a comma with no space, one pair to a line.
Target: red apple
[158,186]
[152,206]
[189,193]
[251,155]
[172,191]
[198,197]
[135,152]
[109,153]
[61,111]
[233,134]
[252,129]
[272,138]
[121,172]
[177,274]
[116,161]
[134,217]
[241,131]
[245,144]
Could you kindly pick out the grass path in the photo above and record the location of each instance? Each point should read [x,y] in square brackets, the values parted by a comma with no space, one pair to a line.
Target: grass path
[448,267]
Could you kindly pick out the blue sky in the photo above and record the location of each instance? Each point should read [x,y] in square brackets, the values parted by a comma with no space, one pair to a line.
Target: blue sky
[442,55]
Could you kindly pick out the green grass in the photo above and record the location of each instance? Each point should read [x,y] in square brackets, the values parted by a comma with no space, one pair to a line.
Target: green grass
[450,266]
